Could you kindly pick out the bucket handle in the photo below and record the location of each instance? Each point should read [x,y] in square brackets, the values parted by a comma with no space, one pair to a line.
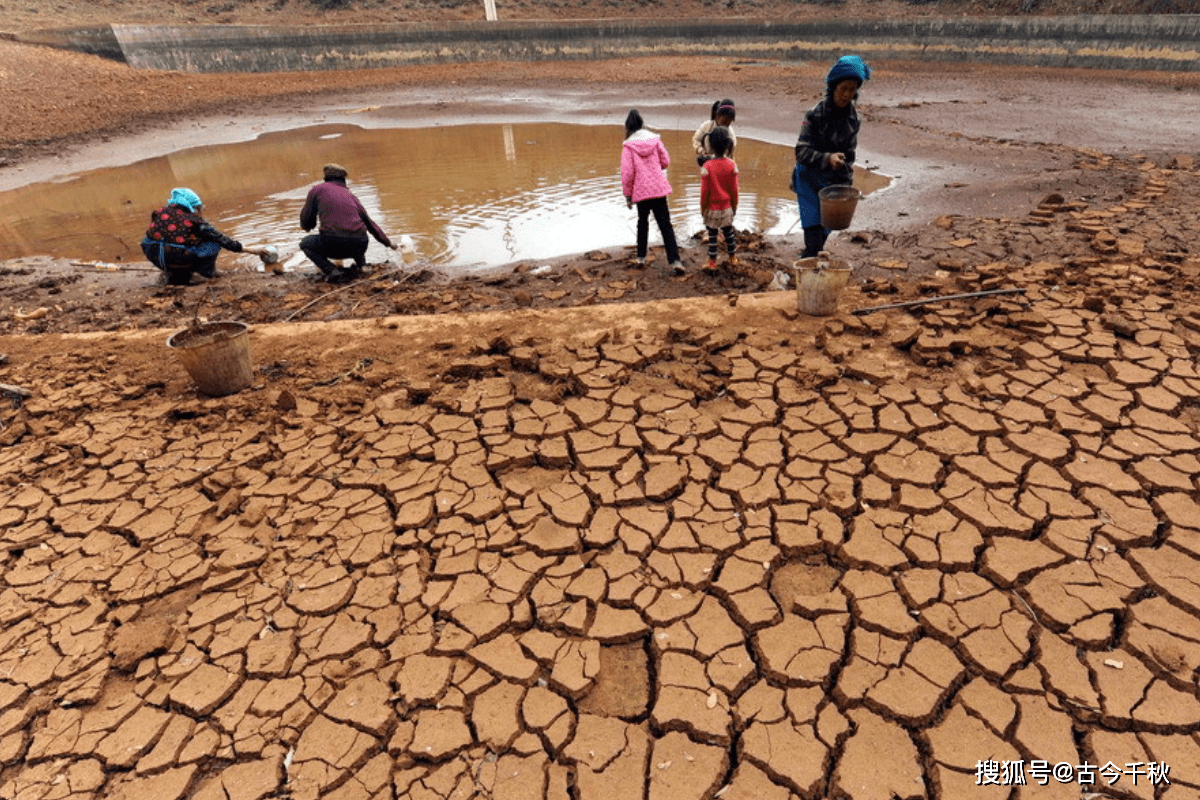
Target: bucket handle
[822,264]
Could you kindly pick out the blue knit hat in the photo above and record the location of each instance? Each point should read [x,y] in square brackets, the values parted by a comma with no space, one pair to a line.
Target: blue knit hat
[849,67]
[186,198]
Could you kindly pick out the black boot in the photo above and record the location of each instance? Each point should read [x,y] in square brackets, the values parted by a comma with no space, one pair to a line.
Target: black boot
[814,241]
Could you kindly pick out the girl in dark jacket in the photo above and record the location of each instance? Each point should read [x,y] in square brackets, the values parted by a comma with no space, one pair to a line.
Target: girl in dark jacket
[826,146]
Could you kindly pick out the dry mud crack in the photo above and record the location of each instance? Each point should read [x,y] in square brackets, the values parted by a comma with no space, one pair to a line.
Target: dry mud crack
[729,552]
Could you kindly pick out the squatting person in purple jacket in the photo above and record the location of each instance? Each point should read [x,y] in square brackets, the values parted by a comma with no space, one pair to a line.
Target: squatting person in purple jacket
[344,227]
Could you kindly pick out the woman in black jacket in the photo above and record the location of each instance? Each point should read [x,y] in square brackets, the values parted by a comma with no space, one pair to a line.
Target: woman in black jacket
[826,146]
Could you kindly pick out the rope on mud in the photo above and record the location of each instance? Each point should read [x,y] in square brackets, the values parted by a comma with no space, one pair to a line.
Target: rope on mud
[105,266]
[942,299]
[353,372]
[391,270]
[313,302]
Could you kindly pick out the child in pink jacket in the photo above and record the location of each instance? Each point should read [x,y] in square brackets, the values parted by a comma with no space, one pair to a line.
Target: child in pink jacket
[644,161]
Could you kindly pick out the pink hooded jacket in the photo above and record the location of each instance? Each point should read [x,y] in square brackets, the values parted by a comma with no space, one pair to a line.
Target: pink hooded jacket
[643,161]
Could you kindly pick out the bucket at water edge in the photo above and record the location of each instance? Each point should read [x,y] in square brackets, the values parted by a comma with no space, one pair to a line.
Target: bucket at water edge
[818,287]
[837,206]
[216,355]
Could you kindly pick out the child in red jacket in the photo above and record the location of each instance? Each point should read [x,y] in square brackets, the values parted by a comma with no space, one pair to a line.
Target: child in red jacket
[719,196]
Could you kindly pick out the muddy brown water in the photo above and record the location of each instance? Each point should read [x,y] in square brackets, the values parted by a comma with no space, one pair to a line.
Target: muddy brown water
[470,196]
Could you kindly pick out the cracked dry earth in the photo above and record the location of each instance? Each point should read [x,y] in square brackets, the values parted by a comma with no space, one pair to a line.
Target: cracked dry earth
[733,552]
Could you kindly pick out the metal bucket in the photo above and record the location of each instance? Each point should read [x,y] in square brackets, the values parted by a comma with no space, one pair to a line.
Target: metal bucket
[837,206]
[216,355]
[819,286]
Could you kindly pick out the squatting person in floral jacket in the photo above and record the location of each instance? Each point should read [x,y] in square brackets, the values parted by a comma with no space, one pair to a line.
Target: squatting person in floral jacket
[180,241]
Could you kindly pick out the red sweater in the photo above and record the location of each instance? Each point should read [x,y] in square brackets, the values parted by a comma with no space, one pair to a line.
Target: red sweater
[718,184]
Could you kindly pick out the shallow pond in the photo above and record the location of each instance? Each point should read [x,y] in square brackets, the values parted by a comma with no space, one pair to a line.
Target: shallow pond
[470,196]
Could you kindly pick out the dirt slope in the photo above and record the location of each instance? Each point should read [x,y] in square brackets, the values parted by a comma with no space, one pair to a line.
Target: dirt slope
[33,14]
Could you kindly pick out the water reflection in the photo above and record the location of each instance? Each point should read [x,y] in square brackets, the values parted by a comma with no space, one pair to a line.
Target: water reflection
[471,196]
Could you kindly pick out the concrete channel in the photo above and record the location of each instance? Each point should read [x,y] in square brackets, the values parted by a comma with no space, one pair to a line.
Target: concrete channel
[1125,42]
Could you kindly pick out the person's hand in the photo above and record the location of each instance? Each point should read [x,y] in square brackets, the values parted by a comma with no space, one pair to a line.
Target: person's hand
[394,246]
[837,160]
[629,202]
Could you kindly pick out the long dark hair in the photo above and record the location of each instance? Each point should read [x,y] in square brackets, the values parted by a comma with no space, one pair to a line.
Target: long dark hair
[633,122]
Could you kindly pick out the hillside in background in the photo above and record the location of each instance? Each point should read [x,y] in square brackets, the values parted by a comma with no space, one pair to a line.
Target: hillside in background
[21,15]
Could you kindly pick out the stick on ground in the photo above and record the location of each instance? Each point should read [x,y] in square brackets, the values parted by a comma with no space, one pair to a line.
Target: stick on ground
[942,299]
[14,392]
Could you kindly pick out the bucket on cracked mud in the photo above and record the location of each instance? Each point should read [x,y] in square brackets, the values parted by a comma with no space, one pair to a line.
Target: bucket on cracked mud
[819,283]
[216,355]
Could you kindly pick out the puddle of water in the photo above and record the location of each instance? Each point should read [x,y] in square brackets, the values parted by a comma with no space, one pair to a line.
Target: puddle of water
[471,196]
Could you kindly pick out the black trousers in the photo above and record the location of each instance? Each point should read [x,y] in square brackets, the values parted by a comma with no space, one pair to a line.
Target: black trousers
[662,216]
[321,248]
[179,262]
[814,240]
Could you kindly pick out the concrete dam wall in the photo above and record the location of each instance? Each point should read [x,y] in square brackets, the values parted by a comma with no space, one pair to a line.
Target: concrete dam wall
[1149,42]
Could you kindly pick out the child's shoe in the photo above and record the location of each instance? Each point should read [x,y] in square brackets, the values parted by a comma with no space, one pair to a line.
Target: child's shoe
[733,262]
[711,266]
[677,268]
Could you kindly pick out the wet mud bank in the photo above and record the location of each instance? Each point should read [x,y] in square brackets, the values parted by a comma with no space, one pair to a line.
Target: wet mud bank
[1148,42]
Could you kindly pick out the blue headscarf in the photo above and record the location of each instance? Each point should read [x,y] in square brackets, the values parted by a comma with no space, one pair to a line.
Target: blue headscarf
[849,67]
[186,198]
